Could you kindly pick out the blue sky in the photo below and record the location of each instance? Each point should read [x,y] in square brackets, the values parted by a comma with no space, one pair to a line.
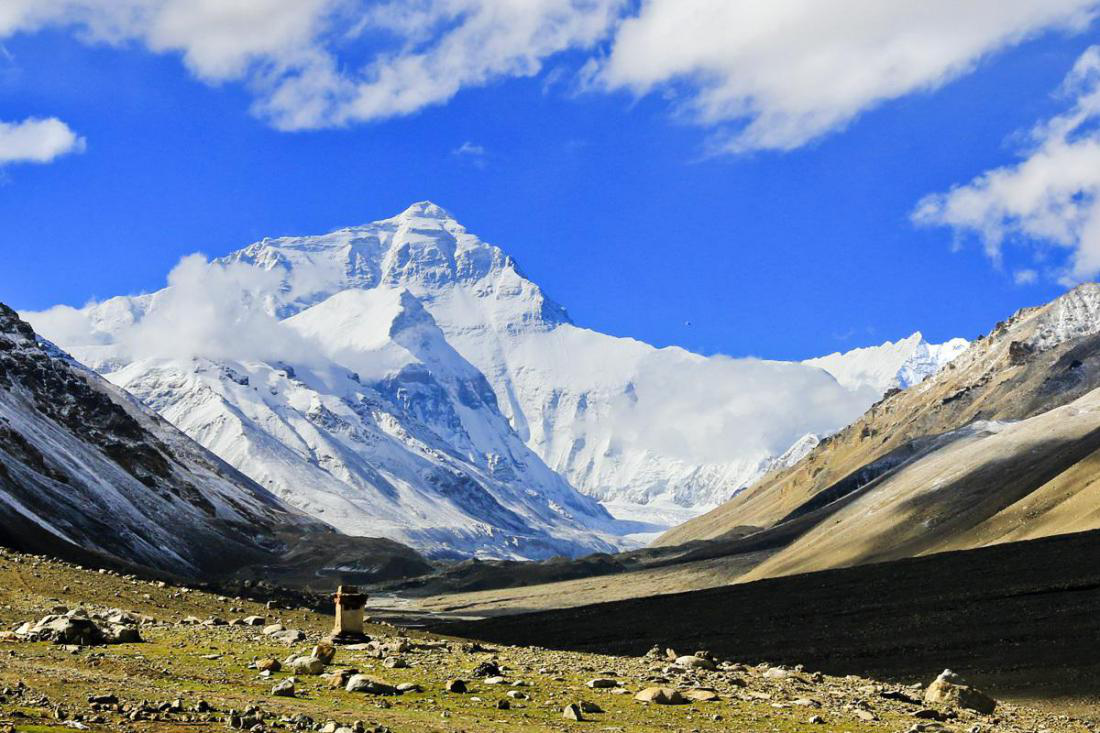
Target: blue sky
[638,209]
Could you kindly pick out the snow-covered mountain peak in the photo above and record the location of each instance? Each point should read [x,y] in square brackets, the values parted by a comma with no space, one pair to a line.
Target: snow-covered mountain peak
[442,399]
[425,210]
[892,365]
[423,249]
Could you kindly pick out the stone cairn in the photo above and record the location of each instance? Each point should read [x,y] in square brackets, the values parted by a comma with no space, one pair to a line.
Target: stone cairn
[348,628]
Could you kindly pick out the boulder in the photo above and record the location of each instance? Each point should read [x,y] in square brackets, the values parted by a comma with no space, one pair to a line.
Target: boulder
[602,683]
[288,636]
[694,662]
[253,620]
[340,677]
[325,651]
[949,690]
[702,694]
[305,666]
[369,685]
[661,696]
[572,711]
[269,665]
[456,686]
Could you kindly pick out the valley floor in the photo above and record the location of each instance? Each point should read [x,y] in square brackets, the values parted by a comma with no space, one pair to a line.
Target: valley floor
[198,677]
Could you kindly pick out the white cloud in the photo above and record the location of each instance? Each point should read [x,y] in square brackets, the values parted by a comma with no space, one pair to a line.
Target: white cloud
[469,148]
[1026,276]
[721,408]
[37,141]
[1048,200]
[301,57]
[775,74]
[761,73]
[471,152]
[208,310]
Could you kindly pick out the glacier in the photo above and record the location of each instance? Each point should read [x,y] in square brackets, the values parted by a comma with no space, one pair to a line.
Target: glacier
[404,379]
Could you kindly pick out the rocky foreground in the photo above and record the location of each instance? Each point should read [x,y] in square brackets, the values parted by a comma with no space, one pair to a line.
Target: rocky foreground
[96,650]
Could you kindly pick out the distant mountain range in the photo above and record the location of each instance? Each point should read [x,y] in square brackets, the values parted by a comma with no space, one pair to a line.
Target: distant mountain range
[403,379]
[1001,445]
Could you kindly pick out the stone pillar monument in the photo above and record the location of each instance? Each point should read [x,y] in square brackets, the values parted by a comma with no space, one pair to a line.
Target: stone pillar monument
[349,614]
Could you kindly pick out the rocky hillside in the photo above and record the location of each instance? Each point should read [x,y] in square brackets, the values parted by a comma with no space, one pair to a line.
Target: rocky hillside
[999,445]
[192,660]
[87,471]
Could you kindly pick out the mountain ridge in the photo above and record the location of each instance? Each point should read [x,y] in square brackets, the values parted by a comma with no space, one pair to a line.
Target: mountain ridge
[642,430]
[1021,396]
[87,471]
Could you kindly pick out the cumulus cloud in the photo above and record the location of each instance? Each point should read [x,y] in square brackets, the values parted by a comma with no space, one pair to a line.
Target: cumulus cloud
[303,58]
[774,75]
[762,74]
[37,140]
[1049,199]
[209,310]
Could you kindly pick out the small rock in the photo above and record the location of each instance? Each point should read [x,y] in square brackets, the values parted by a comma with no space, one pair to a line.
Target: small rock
[456,686]
[572,711]
[284,688]
[288,636]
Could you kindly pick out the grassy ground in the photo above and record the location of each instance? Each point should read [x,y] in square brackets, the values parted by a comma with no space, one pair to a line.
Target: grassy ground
[47,686]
